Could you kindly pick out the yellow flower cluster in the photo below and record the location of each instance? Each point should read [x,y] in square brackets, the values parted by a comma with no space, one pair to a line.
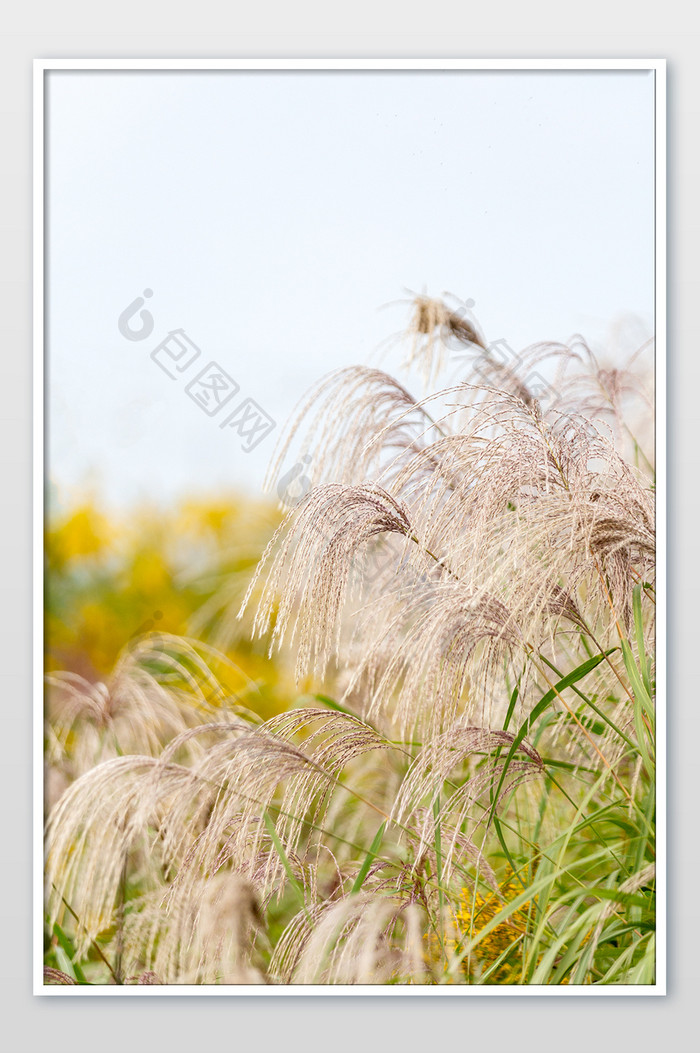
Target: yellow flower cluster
[474,914]
[111,578]
[84,532]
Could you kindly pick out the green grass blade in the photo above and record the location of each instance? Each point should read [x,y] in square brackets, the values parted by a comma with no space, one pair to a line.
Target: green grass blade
[66,945]
[639,634]
[571,678]
[272,831]
[369,858]
[330,703]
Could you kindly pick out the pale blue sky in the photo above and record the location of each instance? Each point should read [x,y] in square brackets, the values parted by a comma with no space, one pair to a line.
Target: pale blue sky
[273,214]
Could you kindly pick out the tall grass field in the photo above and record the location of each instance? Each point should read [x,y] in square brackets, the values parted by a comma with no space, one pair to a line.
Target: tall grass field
[398,729]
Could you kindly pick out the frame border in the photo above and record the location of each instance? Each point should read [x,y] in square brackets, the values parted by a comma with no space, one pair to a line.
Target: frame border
[44,66]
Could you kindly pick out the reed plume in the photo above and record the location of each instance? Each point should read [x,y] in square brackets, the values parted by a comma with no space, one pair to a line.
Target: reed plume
[468,592]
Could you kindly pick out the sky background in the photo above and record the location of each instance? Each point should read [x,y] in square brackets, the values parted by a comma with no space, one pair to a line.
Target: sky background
[281,220]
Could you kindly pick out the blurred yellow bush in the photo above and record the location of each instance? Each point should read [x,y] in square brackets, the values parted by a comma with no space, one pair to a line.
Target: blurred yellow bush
[181,570]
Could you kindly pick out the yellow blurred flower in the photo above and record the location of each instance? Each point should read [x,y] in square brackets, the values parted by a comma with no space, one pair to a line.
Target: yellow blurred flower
[150,573]
[163,565]
[474,914]
[85,532]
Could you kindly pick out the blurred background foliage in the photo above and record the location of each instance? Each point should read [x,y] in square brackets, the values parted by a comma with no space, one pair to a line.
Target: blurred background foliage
[182,570]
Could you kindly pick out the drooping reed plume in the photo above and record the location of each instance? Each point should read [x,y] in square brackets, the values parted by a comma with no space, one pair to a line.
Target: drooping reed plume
[470,584]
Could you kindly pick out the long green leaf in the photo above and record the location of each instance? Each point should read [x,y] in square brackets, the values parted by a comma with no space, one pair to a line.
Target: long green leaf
[67,945]
[571,678]
[371,855]
[272,831]
[639,633]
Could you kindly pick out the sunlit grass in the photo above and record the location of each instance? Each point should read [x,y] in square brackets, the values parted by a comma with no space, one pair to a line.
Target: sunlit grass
[458,786]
